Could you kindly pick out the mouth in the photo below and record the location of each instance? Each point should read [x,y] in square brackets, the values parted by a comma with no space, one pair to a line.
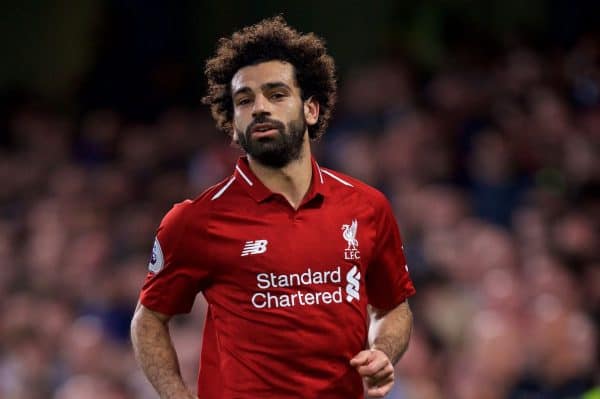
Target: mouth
[264,130]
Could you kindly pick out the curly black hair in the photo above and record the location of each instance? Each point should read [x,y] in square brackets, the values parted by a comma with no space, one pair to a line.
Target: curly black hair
[272,39]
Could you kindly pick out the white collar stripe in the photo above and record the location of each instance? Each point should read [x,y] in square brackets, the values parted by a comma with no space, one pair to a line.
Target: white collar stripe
[344,182]
[222,190]
[243,175]
[320,174]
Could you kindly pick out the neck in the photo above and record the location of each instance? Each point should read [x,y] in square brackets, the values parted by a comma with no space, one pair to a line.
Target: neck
[292,181]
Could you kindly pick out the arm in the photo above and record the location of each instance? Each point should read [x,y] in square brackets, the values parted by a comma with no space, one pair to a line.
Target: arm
[155,353]
[389,333]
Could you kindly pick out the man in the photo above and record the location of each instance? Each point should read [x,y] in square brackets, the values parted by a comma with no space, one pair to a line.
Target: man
[293,259]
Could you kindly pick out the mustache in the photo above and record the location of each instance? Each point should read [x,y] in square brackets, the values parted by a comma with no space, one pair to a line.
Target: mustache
[263,119]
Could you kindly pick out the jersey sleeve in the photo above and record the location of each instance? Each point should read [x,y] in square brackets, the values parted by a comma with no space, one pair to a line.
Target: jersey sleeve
[388,282]
[174,277]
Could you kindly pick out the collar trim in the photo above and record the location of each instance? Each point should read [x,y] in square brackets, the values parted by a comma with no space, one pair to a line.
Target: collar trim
[237,167]
[223,189]
[344,182]
[319,170]
[260,192]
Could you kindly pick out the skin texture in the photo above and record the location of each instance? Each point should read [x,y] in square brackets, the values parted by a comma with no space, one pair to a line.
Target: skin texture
[269,90]
[281,144]
[155,353]
[389,333]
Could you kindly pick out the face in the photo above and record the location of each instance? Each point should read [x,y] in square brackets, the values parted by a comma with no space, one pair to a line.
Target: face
[269,117]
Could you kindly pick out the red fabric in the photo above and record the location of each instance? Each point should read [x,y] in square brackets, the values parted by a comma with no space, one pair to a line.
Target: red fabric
[302,350]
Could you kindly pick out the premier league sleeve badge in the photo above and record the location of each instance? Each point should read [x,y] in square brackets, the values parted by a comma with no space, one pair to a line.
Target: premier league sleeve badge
[156,261]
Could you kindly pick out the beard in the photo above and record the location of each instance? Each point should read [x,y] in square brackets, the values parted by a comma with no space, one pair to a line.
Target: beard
[279,150]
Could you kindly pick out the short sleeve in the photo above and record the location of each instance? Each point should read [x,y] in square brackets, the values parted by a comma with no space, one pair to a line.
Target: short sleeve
[174,276]
[388,282]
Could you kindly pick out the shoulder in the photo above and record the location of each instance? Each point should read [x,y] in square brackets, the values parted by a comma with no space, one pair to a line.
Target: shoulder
[185,210]
[345,185]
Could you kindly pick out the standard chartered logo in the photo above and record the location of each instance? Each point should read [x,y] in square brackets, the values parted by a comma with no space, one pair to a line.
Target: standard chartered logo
[353,278]
[310,295]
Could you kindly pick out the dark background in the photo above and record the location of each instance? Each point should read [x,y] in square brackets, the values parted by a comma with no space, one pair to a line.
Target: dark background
[141,56]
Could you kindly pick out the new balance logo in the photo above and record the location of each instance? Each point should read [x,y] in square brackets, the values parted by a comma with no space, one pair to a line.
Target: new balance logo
[255,247]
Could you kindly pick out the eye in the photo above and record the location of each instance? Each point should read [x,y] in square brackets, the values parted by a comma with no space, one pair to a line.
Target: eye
[243,101]
[277,96]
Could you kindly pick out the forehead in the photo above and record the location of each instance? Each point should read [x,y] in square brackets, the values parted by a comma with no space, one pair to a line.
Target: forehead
[253,76]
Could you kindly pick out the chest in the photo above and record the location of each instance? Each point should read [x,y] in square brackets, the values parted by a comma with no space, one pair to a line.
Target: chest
[279,268]
[273,238]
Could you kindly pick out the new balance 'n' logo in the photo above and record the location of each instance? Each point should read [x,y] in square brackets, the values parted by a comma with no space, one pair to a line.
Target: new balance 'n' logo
[255,247]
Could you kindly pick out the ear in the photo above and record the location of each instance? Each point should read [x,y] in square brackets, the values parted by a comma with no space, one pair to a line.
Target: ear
[311,110]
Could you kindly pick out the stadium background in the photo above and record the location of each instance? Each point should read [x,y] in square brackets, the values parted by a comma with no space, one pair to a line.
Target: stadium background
[479,120]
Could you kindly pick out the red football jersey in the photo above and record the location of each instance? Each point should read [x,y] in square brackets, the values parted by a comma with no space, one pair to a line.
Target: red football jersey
[287,290]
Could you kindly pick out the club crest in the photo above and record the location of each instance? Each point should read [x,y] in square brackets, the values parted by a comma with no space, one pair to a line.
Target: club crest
[349,233]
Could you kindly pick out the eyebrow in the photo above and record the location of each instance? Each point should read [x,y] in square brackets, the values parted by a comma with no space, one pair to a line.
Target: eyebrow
[274,85]
[265,86]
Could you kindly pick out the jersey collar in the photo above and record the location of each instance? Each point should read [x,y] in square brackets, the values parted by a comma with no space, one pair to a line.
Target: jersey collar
[260,192]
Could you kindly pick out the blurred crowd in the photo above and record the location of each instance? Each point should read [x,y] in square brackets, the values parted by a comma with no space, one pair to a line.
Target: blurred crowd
[493,169]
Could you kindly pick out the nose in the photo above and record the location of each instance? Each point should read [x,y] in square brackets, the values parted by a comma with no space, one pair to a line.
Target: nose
[261,106]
